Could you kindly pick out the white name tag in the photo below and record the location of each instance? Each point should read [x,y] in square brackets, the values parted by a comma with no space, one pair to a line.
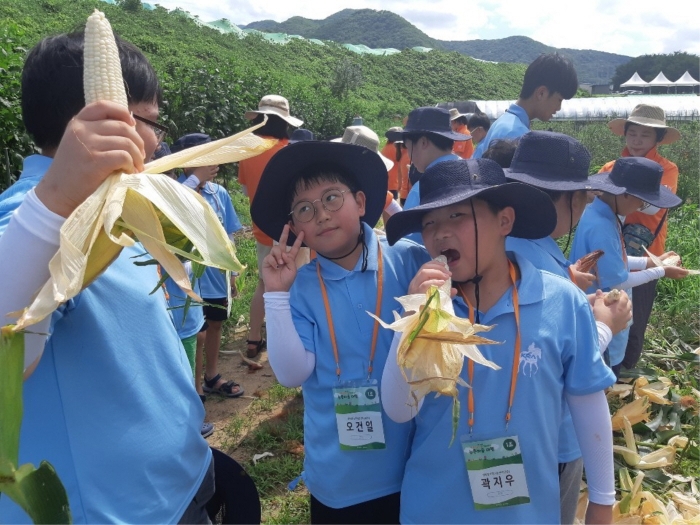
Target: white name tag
[358,413]
[496,472]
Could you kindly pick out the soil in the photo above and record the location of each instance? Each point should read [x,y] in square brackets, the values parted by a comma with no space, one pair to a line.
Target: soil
[254,382]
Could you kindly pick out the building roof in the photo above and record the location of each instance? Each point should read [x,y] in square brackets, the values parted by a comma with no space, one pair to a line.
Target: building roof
[635,81]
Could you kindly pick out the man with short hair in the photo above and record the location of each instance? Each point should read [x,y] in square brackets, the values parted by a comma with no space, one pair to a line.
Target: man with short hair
[478,125]
[549,80]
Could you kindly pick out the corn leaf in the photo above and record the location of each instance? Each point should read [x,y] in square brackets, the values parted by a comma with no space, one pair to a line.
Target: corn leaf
[39,492]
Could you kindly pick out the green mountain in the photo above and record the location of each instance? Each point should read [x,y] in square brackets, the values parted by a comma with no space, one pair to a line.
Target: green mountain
[380,29]
[376,29]
[210,79]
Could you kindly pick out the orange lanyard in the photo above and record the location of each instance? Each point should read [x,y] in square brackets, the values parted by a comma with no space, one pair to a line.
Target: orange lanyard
[516,353]
[377,312]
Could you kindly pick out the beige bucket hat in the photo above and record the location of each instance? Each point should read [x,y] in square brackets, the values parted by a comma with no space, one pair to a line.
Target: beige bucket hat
[646,115]
[363,136]
[455,114]
[274,105]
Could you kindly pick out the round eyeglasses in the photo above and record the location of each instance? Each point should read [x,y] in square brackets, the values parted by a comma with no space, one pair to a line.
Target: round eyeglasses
[331,200]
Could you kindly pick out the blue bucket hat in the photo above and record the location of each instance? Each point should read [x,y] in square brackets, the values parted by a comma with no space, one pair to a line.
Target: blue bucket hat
[189,141]
[301,134]
[554,161]
[270,207]
[454,181]
[426,121]
[641,178]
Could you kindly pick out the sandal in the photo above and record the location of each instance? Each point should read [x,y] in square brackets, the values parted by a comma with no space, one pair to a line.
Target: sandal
[259,347]
[227,389]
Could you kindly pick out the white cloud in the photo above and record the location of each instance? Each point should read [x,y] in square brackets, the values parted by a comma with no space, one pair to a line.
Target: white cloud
[627,27]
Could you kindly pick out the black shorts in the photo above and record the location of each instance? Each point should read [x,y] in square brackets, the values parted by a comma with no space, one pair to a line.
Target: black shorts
[216,313]
[204,327]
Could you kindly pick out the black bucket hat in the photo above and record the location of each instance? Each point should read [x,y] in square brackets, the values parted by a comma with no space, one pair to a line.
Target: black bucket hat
[270,207]
[301,134]
[554,161]
[641,178]
[425,121]
[189,141]
[454,181]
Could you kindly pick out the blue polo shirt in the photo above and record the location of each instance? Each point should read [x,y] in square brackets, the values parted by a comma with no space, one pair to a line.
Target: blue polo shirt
[552,361]
[339,478]
[545,254]
[599,229]
[111,404]
[190,323]
[413,197]
[514,123]
[213,281]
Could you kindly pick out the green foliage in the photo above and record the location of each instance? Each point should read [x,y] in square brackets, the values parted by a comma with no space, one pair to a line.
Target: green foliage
[673,66]
[130,5]
[376,29]
[210,79]
[39,492]
[347,77]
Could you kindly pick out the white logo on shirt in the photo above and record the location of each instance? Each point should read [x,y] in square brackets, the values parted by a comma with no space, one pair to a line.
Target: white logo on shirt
[529,359]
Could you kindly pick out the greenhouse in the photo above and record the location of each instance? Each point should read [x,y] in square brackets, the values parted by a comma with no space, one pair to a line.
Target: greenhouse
[676,107]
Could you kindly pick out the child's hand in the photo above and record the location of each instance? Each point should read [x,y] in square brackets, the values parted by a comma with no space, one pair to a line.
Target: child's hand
[675,272]
[617,315]
[583,280]
[98,141]
[279,268]
[206,173]
[598,514]
[432,273]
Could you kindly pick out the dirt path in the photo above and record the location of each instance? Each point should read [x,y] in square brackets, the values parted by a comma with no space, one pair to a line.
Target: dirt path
[219,409]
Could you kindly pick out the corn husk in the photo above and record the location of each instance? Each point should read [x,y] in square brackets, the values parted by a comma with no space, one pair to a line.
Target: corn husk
[619,390]
[656,391]
[167,218]
[673,260]
[636,412]
[662,457]
[434,343]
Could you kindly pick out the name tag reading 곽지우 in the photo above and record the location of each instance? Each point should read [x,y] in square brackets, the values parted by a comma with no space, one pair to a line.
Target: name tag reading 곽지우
[496,472]
[358,413]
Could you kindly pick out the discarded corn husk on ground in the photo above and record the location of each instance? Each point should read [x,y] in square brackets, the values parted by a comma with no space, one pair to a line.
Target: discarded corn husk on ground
[168,219]
[434,343]
[636,412]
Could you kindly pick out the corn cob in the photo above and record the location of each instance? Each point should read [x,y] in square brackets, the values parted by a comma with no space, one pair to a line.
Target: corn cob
[587,262]
[102,70]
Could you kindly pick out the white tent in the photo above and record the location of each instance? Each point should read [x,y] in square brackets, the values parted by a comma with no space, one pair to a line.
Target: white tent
[661,81]
[686,80]
[635,81]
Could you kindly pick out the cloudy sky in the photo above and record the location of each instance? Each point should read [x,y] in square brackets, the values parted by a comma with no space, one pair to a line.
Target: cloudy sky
[626,27]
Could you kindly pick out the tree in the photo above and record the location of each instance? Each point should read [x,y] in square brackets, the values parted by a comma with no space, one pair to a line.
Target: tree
[347,76]
[648,66]
[130,5]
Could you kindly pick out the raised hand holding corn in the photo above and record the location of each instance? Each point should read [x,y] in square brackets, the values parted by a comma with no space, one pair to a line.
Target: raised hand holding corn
[124,208]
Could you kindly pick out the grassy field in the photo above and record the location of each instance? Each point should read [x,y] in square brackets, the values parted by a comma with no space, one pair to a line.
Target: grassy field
[274,423]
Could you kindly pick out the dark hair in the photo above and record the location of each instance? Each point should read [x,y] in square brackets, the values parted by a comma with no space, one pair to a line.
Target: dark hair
[479,120]
[52,84]
[501,151]
[440,142]
[553,71]
[660,132]
[275,127]
[318,174]
[398,146]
